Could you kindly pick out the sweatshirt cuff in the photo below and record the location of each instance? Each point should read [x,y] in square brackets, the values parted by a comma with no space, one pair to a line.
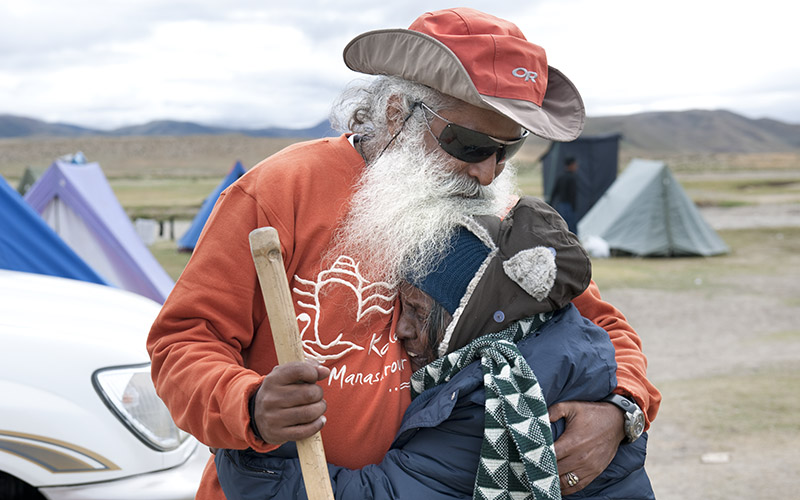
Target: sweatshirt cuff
[251,408]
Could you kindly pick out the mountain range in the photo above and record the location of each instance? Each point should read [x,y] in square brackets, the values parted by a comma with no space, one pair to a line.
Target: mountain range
[692,131]
[20,127]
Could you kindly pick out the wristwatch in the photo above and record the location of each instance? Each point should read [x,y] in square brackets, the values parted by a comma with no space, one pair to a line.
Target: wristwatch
[634,418]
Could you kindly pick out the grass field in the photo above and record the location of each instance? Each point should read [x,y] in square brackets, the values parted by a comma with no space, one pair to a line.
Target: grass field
[162,177]
[761,251]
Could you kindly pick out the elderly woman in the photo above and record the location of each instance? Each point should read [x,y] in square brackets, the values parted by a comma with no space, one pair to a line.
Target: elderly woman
[494,341]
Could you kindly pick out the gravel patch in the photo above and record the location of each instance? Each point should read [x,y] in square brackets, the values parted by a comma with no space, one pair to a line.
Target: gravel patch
[766,215]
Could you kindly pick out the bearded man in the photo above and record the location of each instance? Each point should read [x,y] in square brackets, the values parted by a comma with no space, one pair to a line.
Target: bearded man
[427,144]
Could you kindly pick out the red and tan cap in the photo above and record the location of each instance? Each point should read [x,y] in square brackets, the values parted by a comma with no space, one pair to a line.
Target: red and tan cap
[480,59]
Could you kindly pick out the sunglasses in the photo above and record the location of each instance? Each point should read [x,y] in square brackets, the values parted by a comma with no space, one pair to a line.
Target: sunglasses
[472,146]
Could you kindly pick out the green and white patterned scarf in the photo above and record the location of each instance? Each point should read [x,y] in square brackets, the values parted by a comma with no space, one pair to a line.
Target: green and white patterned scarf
[518,460]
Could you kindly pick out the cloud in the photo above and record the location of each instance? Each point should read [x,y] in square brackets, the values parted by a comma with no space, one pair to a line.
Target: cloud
[185,65]
[255,64]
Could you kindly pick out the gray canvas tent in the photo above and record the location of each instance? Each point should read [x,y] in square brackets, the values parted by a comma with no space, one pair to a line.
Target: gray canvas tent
[646,212]
[598,161]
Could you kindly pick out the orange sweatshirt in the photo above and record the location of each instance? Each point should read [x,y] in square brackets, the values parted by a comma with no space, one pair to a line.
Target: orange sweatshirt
[211,344]
[631,362]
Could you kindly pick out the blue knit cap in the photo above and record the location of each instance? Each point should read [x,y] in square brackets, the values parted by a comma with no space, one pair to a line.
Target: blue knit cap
[448,283]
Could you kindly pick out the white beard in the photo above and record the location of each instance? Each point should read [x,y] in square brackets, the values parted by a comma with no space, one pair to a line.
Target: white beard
[406,207]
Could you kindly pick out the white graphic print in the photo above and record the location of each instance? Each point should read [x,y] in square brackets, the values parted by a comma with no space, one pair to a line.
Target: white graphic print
[370,297]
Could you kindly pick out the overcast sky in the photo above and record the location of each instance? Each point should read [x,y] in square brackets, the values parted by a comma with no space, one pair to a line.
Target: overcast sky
[258,63]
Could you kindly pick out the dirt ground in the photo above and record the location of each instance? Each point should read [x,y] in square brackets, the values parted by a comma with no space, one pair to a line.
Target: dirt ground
[727,360]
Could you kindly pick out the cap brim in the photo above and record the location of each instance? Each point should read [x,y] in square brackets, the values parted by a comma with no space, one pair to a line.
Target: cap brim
[423,59]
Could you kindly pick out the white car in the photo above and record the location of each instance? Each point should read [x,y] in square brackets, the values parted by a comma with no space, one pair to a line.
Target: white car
[79,417]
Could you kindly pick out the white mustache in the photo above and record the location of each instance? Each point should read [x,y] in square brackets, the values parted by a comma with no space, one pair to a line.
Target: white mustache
[407,204]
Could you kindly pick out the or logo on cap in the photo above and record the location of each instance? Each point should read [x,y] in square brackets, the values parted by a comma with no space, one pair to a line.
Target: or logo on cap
[525,73]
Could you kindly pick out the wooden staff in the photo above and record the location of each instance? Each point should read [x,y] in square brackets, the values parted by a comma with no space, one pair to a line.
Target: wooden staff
[266,249]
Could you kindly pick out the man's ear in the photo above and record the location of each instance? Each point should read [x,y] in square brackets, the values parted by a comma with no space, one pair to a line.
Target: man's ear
[395,113]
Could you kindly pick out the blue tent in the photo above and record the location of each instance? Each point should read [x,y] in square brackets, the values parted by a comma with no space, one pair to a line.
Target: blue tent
[77,202]
[28,244]
[189,240]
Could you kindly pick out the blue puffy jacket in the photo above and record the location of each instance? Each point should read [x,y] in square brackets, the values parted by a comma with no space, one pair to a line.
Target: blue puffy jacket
[435,454]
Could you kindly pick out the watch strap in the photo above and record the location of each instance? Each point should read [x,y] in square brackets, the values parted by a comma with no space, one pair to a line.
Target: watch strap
[634,417]
[625,404]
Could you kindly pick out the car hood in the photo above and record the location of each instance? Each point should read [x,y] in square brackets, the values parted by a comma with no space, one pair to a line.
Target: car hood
[75,316]
[56,335]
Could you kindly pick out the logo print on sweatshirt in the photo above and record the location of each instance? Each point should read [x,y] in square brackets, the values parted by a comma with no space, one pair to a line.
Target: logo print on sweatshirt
[369,297]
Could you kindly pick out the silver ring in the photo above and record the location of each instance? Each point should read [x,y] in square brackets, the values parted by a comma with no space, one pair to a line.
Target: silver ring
[572,479]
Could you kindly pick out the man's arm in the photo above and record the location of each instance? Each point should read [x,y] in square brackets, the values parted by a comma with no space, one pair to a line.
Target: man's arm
[437,463]
[594,430]
[200,339]
[631,361]
[399,475]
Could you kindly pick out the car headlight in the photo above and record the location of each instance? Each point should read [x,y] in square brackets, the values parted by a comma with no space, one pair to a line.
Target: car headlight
[129,392]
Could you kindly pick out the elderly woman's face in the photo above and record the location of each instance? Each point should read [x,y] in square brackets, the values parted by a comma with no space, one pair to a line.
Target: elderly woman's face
[417,328]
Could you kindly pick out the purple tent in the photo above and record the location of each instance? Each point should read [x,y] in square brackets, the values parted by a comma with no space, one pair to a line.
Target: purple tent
[28,244]
[78,203]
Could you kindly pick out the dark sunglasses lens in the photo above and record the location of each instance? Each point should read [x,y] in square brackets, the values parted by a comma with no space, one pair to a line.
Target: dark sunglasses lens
[467,145]
[474,147]
[510,150]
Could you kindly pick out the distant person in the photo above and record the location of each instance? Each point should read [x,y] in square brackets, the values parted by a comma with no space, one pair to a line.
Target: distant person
[565,193]
[428,144]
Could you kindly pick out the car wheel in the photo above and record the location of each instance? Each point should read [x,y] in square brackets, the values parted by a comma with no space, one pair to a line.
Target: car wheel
[12,488]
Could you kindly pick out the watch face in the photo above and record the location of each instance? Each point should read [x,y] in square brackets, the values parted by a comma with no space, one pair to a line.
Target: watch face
[639,424]
[634,425]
